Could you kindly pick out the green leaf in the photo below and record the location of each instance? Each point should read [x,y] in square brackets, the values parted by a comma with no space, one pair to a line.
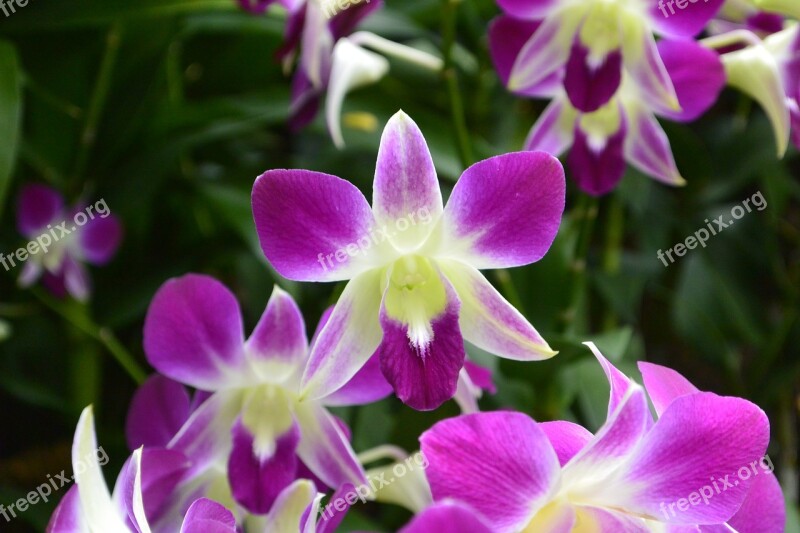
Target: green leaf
[10,115]
[5,330]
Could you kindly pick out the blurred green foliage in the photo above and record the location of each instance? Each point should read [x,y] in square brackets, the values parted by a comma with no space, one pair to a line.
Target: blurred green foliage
[169,109]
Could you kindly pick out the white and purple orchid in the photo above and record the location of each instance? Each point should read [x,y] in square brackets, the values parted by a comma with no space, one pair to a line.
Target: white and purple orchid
[252,435]
[624,128]
[62,247]
[683,472]
[415,292]
[587,45]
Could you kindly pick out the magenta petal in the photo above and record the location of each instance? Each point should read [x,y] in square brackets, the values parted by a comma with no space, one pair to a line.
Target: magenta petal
[670,21]
[424,378]
[280,335]
[38,206]
[527,9]
[161,472]
[193,332]
[367,386]
[305,222]
[554,130]
[156,413]
[764,509]
[591,87]
[664,385]
[100,239]
[505,211]
[76,279]
[648,149]
[567,438]
[697,74]
[345,21]
[699,441]
[597,171]
[507,36]
[447,517]
[500,464]
[405,182]
[68,516]
[618,381]
[256,481]
[207,516]
[480,376]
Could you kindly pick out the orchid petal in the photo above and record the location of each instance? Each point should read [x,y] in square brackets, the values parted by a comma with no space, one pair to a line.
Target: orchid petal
[311,224]
[100,239]
[193,332]
[500,464]
[697,74]
[764,508]
[642,62]
[683,24]
[368,385]
[68,516]
[567,438]
[664,385]
[647,148]
[405,184]
[38,206]
[207,516]
[349,338]
[353,67]
[278,345]
[528,9]
[447,517]
[488,321]
[554,131]
[324,447]
[287,513]
[590,86]
[157,411]
[503,212]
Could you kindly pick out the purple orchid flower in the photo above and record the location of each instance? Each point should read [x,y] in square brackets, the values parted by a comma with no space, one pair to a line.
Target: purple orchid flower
[415,292]
[684,472]
[588,44]
[194,335]
[64,239]
[149,475]
[626,129]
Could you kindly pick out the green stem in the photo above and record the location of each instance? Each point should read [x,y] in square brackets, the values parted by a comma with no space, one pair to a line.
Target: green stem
[612,255]
[101,334]
[586,215]
[451,78]
[102,86]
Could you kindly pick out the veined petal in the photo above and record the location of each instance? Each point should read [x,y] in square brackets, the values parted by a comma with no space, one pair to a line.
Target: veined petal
[547,51]
[193,332]
[287,513]
[157,411]
[554,131]
[313,226]
[207,516]
[682,24]
[699,441]
[647,148]
[764,508]
[697,74]
[422,350]
[488,321]
[278,346]
[507,37]
[500,464]
[97,507]
[38,206]
[353,67]
[349,338]
[504,211]
[447,517]
[619,382]
[324,447]
[567,438]
[664,385]
[367,385]
[257,477]
[406,188]
[587,472]
[755,71]
[68,516]
[642,62]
